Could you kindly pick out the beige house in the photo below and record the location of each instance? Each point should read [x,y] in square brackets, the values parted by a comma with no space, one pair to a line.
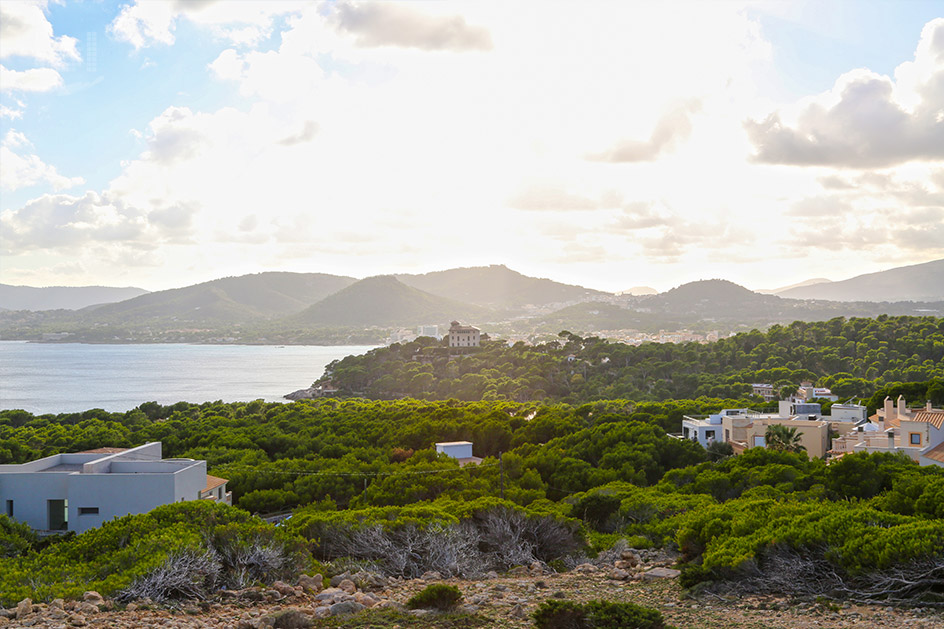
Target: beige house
[919,433]
[744,428]
[464,335]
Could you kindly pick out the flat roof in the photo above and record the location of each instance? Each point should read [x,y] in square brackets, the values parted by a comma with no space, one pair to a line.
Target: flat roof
[454,443]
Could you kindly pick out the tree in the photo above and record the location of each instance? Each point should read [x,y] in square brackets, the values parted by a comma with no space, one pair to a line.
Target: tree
[783,438]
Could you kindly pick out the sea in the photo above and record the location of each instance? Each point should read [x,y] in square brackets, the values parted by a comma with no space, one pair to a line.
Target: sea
[70,377]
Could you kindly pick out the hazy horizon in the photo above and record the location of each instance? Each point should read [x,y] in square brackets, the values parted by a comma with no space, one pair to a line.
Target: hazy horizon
[608,145]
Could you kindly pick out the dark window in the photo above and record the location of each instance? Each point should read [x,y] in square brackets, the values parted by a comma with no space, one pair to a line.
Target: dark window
[58,515]
[709,434]
[10,508]
[88,510]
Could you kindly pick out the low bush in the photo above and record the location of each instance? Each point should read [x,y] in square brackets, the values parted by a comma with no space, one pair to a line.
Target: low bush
[559,614]
[436,596]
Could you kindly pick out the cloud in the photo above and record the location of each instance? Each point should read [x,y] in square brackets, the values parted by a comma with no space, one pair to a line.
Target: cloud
[819,207]
[20,168]
[306,134]
[66,222]
[244,23]
[554,198]
[377,24]
[26,32]
[672,128]
[867,120]
[32,80]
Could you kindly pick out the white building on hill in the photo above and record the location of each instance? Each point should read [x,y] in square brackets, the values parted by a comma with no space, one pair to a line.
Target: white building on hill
[464,335]
[79,491]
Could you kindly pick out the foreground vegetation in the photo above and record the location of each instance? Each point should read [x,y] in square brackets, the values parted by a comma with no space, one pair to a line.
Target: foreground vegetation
[368,491]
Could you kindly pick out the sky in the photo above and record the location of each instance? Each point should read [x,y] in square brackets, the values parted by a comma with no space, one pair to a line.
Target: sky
[608,144]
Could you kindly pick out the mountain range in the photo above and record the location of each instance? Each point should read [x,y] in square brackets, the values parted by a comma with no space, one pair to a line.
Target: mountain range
[61,297]
[266,306]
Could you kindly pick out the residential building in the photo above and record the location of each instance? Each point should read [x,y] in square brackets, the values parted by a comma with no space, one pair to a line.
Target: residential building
[429,330]
[464,335]
[808,392]
[919,433]
[744,428]
[765,391]
[848,413]
[459,450]
[806,410]
[706,430]
[79,491]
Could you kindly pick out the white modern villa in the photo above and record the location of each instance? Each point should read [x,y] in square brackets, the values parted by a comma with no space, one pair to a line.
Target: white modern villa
[79,491]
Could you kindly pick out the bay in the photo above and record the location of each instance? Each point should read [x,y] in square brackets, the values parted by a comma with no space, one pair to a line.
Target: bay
[70,377]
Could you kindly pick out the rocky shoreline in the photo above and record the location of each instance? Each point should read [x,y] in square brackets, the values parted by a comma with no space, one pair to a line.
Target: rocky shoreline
[495,601]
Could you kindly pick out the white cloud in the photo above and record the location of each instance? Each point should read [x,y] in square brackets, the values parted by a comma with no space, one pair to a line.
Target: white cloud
[68,222]
[377,24]
[20,168]
[32,80]
[866,120]
[244,23]
[26,32]
[671,129]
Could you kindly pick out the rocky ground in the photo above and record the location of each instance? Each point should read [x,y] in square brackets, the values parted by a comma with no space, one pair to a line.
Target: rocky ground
[368,600]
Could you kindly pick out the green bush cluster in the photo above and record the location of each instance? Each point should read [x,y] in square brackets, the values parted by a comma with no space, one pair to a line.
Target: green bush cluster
[126,550]
[435,596]
[563,614]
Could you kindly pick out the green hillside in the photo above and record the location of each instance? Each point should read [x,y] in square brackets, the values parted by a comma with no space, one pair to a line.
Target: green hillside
[385,301]
[498,287]
[229,299]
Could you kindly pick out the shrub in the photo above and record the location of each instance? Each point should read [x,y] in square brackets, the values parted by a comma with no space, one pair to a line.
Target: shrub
[558,614]
[436,596]
[611,615]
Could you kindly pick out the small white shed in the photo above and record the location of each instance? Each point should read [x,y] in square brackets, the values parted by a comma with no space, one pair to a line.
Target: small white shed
[455,449]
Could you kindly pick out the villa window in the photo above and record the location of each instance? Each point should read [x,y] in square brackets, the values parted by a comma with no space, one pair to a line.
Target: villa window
[915,438]
[88,510]
[709,434]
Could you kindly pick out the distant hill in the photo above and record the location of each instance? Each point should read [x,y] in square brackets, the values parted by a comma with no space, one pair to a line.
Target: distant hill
[498,287]
[386,301]
[918,282]
[62,297]
[708,295]
[230,299]
[782,289]
[639,290]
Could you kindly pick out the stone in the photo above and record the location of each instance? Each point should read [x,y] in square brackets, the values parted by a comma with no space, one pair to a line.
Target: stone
[311,584]
[290,619]
[329,593]
[617,575]
[431,576]
[365,599]
[585,567]
[348,586]
[24,608]
[630,556]
[93,598]
[518,611]
[661,573]
[519,571]
[491,574]
[57,603]
[283,588]
[77,621]
[345,608]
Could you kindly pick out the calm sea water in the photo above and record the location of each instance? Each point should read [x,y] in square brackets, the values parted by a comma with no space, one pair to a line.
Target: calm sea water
[68,377]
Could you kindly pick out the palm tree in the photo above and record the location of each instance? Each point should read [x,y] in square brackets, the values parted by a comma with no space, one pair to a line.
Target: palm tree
[783,438]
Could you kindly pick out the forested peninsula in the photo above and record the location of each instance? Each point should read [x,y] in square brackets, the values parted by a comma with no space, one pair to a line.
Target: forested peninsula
[854,357]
